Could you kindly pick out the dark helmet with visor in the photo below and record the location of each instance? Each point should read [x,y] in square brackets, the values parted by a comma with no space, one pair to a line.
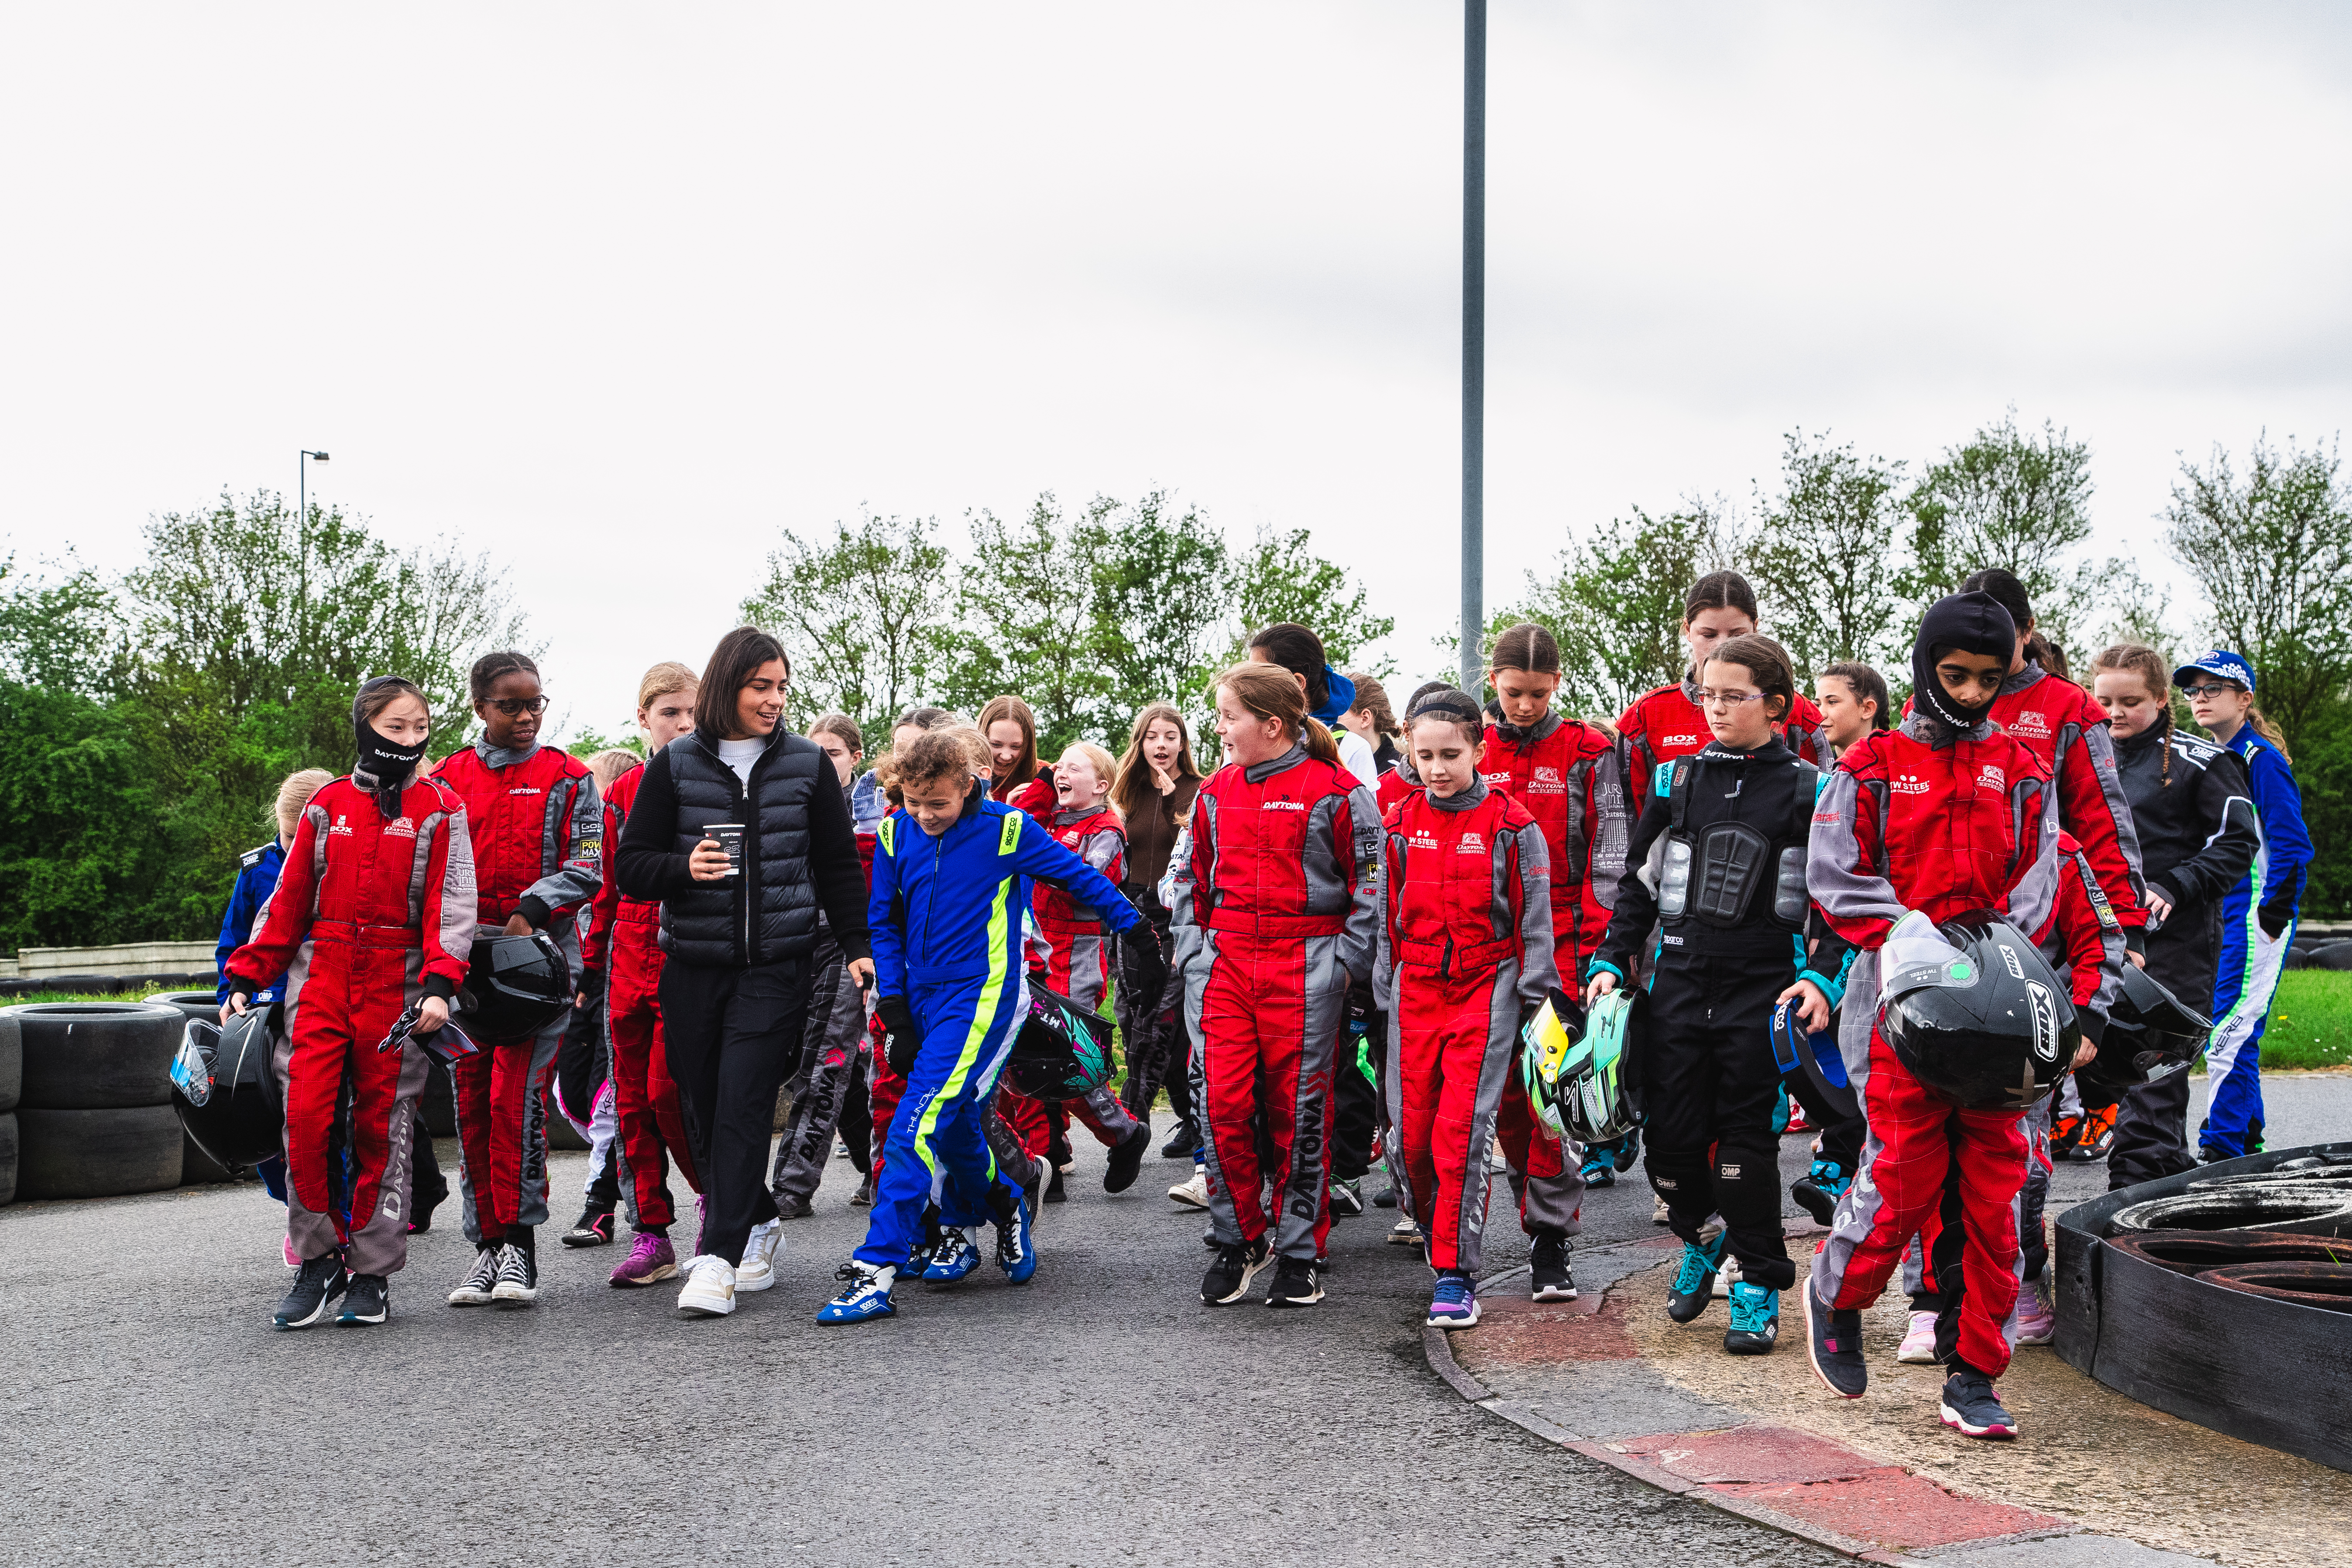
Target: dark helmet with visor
[1060,1051]
[1974,1011]
[516,986]
[225,1087]
[2151,1034]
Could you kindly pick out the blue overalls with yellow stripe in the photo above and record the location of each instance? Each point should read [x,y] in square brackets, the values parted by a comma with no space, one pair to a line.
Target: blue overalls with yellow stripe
[946,924]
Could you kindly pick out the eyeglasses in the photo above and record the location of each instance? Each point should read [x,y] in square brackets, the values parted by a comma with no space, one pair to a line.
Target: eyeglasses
[2196,694]
[516,707]
[1725,698]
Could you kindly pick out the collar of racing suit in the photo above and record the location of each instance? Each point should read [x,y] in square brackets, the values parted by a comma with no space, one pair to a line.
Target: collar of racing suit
[2031,674]
[1071,816]
[1934,733]
[1463,799]
[500,756]
[1258,772]
[1772,749]
[1539,731]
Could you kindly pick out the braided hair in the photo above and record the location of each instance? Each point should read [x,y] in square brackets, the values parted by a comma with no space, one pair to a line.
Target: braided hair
[488,669]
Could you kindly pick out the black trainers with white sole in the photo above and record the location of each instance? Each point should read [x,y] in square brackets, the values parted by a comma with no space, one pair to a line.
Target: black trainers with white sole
[1833,1344]
[1296,1284]
[1549,1278]
[368,1302]
[318,1286]
[1228,1278]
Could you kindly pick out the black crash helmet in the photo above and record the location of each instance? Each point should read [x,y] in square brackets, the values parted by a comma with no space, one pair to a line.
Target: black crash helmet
[516,986]
[1975,1012]
[1060,1050]
[2151,1034]
[225,1087]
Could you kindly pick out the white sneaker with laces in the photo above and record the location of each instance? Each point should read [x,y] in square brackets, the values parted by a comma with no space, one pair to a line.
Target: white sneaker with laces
[1193,1194]
[1918,1347]
[710,1290]
[758,1269]
[1404,1233]
[474,1290]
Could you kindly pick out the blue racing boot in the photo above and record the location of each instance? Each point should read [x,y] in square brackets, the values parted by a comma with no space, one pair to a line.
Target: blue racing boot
[953,1258]
[1599,1169]
[1755,1319]
[1694,1285]
[1818,1189]
[1016,1249]
[864,1295]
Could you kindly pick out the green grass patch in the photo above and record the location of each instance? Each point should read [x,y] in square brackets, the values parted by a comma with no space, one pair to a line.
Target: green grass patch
[80,996]
[2311,1021]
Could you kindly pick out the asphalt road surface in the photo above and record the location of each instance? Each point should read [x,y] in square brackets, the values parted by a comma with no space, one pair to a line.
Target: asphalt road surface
[1101,1415]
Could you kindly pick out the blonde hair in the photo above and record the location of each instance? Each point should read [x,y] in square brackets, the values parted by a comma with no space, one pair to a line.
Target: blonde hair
[2268,730]
[1127,792]
[664,678]
[1372,698]
[2143,661]
[1095,758]
[610,764]
[1271,691]
[294,793]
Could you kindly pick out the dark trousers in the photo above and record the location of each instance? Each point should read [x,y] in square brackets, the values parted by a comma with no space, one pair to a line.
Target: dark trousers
[1147,1025]
[2151,1132]
[1356,1100]
[1712,1083]
[732,1034]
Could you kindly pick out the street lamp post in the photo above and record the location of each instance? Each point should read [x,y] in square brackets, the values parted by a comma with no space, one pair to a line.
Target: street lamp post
[303,541]
[1474,340]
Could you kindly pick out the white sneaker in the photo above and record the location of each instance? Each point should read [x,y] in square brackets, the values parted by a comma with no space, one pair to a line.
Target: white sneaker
[1193,1194]
[1404,1233]
[758,1269]
[1918,1346]
[710,1290]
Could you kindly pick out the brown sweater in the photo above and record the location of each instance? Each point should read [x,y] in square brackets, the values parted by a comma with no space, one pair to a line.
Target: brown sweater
[1151,831]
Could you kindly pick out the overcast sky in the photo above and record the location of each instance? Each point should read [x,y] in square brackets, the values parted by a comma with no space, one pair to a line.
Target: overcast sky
[620,291]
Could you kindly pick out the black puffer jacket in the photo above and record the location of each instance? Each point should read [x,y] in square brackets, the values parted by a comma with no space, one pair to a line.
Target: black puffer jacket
[2193,812]
[799,851]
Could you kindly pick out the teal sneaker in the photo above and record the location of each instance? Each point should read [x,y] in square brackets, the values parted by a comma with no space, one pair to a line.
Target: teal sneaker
[1694,1285]
[1755,1319]
[1818,1189]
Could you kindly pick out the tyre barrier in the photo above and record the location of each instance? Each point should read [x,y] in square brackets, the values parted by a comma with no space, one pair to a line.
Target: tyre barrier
[2337,955]
[8,1136]
[95,1118]
[190,1003]
[12,1063]
[2262,1355]
[2327,1286]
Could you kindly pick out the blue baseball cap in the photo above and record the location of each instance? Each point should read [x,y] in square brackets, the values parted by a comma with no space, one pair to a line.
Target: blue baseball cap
[2218,661]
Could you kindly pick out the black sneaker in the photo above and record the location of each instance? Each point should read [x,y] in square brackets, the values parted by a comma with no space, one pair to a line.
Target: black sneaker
[318,1286]
[1228,1278]
[1346,1197]
[369,1300]
[518,1282]
[593,1229]
[863,1197]
[1385,1198]
[1693,1283]
[1127,1158]
[1971,1408]
[1296,1284]
[1818,1189]
[1833,1344]
[1182,1143]
[792,1205]
[1054,1193]
[1547,1265]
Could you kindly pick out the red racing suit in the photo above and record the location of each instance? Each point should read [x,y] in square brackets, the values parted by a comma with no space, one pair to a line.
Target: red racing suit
[1465,950]
[1070,950]
[539,838]
[1275,912]
[367,915]
[1569,775]
[1922,817]
[1668,723]
[2060,722]
[624,940]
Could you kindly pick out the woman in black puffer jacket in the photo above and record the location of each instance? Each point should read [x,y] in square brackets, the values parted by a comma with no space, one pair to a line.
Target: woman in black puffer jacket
[739,944]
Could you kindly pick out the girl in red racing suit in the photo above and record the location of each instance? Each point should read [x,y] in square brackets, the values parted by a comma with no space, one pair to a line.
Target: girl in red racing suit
[1465,952]
[1666,724]
[1946,815]
[374,911]
[1275,911]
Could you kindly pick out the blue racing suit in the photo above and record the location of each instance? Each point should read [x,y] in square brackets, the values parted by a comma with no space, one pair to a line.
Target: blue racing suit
[945,919]
[2258,920]
[257,877]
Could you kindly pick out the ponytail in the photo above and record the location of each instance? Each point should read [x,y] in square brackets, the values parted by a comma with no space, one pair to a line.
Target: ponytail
[1318,742]
[2268,730]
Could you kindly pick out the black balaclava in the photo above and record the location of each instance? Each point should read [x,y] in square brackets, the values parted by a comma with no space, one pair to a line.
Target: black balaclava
[1971,623]
[382,764]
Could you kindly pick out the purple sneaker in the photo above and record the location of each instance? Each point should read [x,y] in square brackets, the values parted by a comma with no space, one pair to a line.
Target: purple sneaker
[1455,1305]
[650,1261]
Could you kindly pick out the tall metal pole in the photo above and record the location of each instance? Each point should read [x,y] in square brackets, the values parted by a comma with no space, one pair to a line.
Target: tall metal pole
[1473,342]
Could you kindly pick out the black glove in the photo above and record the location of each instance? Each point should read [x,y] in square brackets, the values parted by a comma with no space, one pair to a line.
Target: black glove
[592,982]
[2275,917]
[904,1041]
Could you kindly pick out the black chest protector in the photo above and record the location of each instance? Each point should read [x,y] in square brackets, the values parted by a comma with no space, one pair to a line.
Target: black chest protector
[1712,874]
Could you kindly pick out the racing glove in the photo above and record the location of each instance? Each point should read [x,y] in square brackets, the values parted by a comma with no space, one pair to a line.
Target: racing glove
[902,1040]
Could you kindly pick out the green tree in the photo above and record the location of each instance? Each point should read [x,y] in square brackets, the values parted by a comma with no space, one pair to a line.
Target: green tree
[1820,554]
[1164,591]
[81,845]
[66,631]
[1616,603]
[2015,500]
[1026,610]
[2272,553]
[1282,579]
[867,616]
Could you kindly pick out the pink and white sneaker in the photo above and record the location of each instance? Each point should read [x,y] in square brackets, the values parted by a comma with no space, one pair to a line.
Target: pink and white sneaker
[292,1261]
[1918,1346]
[2033,1322]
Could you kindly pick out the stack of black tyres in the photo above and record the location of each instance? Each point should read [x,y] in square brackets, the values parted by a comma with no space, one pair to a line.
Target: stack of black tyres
[12,1079]
[95,1116]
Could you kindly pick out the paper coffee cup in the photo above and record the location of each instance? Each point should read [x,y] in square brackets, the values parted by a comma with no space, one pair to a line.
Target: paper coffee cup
[729,835]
